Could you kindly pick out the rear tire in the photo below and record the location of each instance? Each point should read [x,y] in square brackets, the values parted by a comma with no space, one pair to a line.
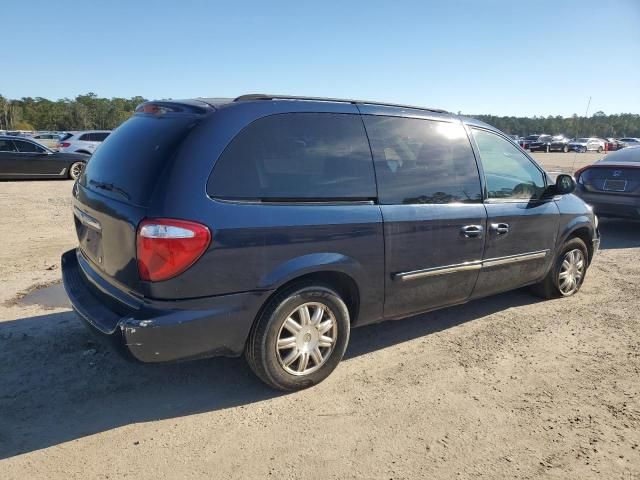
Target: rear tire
[75,170]
[299,338]
[567,274]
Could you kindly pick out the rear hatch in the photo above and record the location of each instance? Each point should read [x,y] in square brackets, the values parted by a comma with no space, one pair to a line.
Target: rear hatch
[622,179]
[112,195]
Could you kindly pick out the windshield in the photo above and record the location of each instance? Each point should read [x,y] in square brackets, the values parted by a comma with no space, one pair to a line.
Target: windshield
[532,137]
[582,140]
[544,138]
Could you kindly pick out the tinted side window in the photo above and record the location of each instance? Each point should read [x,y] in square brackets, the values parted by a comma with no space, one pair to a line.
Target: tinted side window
[28,147]
[99,136]
[422,161]
[87,137]
[508,171]
[297,156]
[7,146]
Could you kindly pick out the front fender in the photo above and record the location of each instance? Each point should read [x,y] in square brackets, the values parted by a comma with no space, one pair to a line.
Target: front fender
[314,262]
[576,215]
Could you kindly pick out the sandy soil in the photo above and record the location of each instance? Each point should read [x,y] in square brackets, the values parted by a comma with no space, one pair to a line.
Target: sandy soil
[506,387]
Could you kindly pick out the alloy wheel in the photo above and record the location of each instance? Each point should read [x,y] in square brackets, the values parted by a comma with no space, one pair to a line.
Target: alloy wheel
[306,338]
[76,170]
[571,272]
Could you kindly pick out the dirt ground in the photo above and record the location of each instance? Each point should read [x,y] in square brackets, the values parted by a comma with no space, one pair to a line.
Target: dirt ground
[505,387]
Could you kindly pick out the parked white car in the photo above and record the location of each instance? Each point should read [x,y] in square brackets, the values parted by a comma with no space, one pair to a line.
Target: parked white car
[82,142]
[629,141]
[586,144]
[49,140]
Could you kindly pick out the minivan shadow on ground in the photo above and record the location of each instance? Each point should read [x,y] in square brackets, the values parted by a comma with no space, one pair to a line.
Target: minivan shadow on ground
[59,385]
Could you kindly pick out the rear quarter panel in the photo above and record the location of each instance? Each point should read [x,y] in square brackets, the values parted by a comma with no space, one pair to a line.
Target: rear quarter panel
[258,247]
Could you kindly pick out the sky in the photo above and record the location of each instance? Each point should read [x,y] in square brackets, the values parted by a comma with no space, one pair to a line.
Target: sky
[478,57]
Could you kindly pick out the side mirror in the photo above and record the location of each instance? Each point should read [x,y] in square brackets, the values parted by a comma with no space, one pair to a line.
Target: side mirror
[565,184]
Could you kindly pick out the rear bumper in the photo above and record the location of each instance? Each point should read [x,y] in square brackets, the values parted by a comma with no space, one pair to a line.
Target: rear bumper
[611,205]
[156,330]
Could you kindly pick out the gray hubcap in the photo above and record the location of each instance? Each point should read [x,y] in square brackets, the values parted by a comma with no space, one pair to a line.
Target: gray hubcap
[571,272]
[306,338]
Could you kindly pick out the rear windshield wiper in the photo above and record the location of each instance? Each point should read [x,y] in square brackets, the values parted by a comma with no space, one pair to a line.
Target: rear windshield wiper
[110,187]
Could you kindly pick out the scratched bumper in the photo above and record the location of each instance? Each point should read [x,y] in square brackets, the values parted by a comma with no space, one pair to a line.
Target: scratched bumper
[156,330]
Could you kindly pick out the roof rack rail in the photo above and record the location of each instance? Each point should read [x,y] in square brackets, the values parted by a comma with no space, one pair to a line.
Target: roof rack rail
[262,96]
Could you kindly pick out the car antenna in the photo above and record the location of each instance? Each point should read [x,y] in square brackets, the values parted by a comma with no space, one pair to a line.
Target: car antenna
[575,154]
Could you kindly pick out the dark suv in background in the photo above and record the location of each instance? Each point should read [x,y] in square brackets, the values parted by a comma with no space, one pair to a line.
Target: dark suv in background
[271,226]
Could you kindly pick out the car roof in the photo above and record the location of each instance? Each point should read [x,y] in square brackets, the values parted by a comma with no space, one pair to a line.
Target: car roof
[15,137]
[223,102]
[218,102]
[629,154]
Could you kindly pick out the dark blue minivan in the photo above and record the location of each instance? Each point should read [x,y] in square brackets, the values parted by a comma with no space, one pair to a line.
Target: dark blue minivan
[272,225]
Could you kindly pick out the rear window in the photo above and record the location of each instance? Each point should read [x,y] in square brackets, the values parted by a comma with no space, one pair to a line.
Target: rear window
[298,156]
[28,147]
[127,165]
[7,146]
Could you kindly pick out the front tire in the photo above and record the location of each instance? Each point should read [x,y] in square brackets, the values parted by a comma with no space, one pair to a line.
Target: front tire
[75,170]
[567,274]
[299,338]
[600,149]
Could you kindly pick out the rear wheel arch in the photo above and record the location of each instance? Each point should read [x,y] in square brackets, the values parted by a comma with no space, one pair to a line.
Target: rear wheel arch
[343,284]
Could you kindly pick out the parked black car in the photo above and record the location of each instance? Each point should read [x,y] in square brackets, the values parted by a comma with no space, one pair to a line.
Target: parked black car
[271,226]
[612,185]
[526,141]
[22,158]
[547,143]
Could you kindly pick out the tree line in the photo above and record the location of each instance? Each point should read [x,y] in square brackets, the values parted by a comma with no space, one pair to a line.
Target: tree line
[87,112]
[597,125]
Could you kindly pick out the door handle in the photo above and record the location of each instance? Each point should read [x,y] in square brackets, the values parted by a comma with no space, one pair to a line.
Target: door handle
[472,231]
[500,228]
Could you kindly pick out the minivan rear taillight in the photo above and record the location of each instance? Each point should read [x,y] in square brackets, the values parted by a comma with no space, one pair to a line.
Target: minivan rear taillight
[64,145]
[167,247]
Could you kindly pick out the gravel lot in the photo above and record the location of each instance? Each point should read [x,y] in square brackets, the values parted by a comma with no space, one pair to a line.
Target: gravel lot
[506,387]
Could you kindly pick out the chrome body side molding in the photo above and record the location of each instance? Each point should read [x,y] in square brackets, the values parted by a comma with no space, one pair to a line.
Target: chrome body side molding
[473,265]
[521,257]
[431,272]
